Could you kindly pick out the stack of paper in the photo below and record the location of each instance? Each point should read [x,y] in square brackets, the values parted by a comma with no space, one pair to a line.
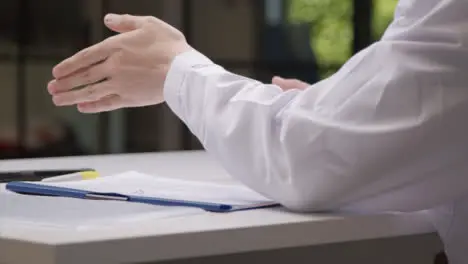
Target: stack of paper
[59,210]
[77,214]
[138,184]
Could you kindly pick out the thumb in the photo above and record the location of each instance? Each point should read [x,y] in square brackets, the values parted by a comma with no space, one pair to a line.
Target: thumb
[123,23]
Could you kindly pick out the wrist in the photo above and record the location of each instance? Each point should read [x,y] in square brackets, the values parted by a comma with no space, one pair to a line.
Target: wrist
[188,61]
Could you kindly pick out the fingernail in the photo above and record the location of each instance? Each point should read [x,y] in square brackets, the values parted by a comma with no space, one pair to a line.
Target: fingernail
[56,100]
[110,18]
[276,79]
[57,71]
[83,107]
[51,87]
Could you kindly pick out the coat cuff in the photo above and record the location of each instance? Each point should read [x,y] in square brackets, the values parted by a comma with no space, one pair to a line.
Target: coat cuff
[175,86]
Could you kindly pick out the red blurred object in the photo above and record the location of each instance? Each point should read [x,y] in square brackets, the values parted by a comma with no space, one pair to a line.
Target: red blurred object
[8,149]
[43,139]
[7,145]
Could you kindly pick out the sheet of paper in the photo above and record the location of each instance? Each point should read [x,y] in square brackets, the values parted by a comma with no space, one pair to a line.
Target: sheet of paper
[60,212]
[77,214]
[134,183]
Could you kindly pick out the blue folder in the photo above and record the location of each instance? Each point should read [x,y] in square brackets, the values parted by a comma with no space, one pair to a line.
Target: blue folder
[47,190]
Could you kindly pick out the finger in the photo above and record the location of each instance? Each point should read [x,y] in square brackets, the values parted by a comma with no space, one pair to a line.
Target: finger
[90,93]
[124,23]
[277,81]
[85,76]
[288,84]
[108,103]
[284,84]
[85,58]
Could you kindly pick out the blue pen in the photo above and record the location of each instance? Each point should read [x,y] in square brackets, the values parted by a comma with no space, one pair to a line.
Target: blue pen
[47,190]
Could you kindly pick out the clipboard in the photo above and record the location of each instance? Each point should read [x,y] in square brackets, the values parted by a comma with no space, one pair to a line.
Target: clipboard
[29,188]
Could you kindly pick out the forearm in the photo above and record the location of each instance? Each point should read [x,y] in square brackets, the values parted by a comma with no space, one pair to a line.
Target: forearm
[341,143]
[378,135]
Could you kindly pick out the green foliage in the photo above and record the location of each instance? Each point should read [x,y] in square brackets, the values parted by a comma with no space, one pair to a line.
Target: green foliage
[382,16]
[331,26]
[332,32]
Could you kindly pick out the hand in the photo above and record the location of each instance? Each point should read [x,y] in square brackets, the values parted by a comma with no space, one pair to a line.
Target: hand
[126,70]
[288,84]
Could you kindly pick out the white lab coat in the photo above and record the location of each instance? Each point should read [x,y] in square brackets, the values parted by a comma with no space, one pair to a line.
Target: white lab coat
[387,132]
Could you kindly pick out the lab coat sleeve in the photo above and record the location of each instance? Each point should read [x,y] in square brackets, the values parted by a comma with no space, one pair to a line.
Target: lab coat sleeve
[387,132]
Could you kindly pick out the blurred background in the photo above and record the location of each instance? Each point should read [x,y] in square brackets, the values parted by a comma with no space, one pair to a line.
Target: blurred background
[304,39]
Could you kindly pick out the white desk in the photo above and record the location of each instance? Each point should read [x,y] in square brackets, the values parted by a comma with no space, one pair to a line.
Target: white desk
[199,235]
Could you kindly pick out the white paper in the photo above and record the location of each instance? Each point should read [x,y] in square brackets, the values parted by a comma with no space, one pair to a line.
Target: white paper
[2,188]
[61,212]
[134,183]
[78,214]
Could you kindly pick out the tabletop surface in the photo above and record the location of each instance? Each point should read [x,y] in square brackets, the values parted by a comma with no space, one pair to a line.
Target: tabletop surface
[28,223]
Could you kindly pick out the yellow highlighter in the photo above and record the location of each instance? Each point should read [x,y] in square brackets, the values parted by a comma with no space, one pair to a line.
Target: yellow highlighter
[89,175]
[78,176]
